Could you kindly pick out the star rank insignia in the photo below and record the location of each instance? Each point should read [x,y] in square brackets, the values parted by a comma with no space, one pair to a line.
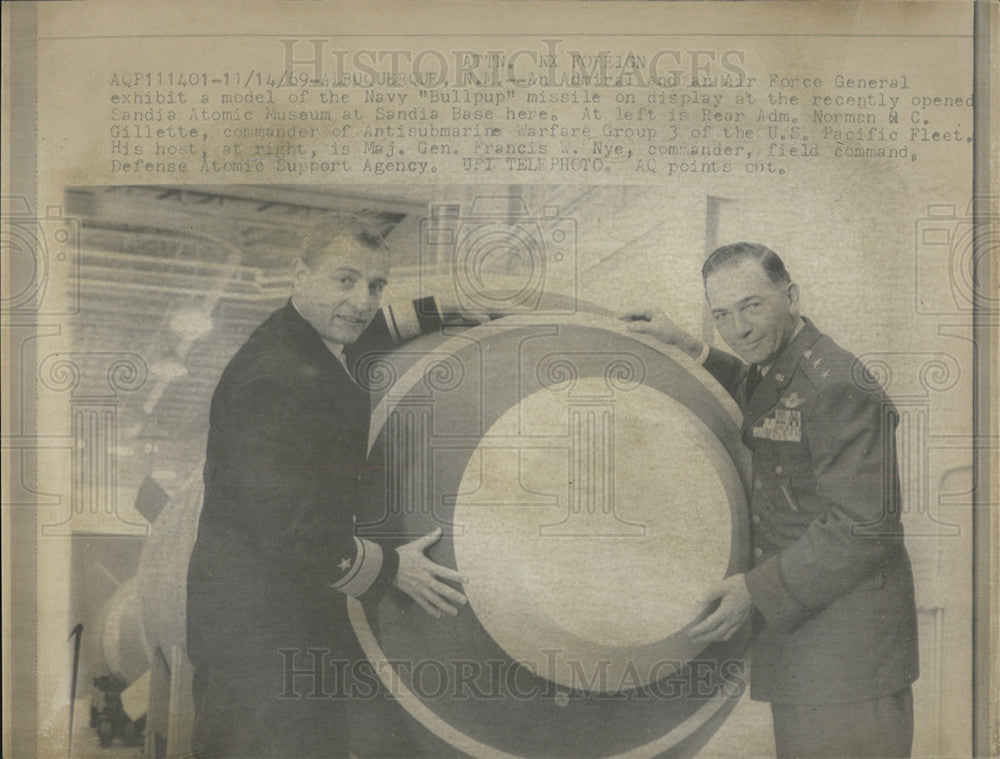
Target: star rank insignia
[817,362]
[808,354]
[779,377]
[344,565]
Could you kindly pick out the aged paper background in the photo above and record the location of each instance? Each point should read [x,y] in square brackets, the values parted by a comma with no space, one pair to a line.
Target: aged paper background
[839,134]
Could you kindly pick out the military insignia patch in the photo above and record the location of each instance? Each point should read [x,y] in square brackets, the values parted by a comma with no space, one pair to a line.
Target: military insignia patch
[793,400]
[781,424]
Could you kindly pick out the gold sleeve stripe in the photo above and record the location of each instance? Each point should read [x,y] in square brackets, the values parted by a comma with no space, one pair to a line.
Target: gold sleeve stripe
[367,563]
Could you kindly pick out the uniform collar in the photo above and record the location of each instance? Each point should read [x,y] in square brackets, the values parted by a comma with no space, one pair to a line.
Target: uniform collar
[310,339]
[335,348]
[779,375]
[783,367]
[298,326]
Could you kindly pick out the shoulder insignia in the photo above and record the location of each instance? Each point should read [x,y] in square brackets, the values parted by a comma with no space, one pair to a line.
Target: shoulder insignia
[829,363]
[793,400]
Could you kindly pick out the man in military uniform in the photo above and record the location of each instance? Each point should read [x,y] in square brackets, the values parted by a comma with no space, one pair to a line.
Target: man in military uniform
[286,479]
[831,588]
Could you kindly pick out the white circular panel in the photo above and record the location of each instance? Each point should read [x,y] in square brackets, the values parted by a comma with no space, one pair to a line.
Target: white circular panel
[589,523]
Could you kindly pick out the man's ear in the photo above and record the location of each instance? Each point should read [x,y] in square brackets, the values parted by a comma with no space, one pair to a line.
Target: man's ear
[299,270]
[793,299]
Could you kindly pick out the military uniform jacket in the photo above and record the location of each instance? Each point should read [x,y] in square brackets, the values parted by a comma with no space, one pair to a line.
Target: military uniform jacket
[831,582]
[285,479]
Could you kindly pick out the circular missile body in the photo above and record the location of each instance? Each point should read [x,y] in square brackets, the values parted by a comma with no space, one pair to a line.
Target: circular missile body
[590,485]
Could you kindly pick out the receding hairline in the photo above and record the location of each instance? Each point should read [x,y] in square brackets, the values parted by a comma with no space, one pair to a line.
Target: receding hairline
[731,256]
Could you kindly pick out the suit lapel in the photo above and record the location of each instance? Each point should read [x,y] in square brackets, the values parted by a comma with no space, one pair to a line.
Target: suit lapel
[312,344]
[763,400]
[776,380]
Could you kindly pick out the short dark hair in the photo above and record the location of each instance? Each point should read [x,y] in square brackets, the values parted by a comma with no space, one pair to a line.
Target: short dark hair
[730,255]
[333,226]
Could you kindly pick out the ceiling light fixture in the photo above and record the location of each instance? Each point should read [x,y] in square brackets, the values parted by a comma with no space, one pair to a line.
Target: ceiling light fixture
[168,368]
[191,323]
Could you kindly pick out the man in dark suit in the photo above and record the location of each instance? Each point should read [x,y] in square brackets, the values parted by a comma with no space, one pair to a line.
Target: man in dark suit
[831,588]
[285,480]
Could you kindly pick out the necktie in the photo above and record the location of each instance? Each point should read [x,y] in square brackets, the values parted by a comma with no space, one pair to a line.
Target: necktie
[753,380]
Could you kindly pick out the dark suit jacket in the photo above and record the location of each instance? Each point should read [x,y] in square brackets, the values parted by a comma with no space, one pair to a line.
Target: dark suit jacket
[831,581]
[285,478]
